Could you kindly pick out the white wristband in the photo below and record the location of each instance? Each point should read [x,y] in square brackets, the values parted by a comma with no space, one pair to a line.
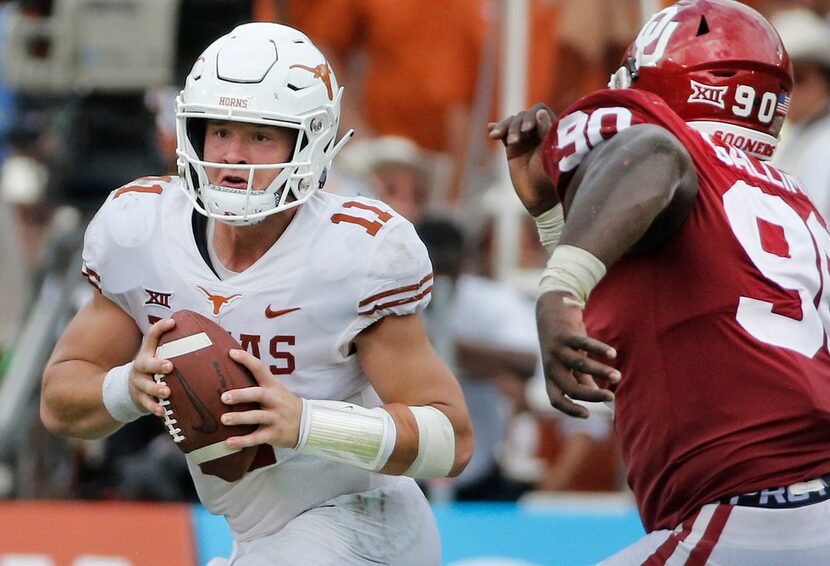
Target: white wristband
[574,271]
[550,224]
[116,394]
[347,433]
[436,444]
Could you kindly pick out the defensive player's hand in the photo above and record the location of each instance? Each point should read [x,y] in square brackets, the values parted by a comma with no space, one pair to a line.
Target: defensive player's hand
[143,387]
[522,135]
[565,347]
[280,412]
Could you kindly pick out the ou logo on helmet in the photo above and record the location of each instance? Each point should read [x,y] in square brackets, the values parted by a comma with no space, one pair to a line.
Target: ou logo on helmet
[654,37]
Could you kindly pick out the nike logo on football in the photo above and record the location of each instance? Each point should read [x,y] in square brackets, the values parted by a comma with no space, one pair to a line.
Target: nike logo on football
[274,314]
[208,424]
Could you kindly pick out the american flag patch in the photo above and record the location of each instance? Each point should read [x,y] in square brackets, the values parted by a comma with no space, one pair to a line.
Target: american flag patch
[783,104]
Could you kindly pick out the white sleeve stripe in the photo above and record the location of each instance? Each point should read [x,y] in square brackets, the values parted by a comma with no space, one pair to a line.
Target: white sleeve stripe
[92,281]
[91,276]
[183,346]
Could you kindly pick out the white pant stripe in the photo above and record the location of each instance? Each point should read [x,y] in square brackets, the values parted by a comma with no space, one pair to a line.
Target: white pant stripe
[681,553]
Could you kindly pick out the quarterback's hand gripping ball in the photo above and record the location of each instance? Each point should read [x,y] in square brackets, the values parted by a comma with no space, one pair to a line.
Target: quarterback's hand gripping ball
[202,370]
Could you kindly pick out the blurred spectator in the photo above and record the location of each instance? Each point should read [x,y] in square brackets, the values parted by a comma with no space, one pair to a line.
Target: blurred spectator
[11,274]
[549,452]
[73,142]
[488,333]
[591,36]
[398,172]
[419,62]
[413,67]
[806,135]
[770,7]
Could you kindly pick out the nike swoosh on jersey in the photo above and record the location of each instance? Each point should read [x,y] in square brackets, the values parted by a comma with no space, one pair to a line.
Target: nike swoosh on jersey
[274,314]
[208,424]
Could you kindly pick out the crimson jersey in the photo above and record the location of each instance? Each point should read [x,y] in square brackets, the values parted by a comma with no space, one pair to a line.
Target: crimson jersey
[721,332]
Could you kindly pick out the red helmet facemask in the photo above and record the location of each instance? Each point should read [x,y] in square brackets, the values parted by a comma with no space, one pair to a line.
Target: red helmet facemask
[719,65]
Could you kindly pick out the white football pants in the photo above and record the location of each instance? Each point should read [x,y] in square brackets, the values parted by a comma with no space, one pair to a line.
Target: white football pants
[391,525]
[723,535]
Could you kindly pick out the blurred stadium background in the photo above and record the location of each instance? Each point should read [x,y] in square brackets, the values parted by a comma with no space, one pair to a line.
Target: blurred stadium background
[86,105]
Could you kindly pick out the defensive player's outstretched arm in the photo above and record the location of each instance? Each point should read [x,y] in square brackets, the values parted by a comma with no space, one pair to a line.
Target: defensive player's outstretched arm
[521,135]
[630,193]
[101,339]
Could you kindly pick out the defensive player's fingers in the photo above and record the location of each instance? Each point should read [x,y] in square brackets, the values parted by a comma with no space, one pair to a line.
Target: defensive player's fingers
[532,116]
[544,120]
[528,123]
[499,129]
[586,379]
[514,130]
[246,395]
[560,402]
[581,363]
[494,130]
[593,394]
[558,379]
[247,417]
[592,346]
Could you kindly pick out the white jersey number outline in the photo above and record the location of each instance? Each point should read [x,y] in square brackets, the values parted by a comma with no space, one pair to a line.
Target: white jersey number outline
[582,132]
[800,271]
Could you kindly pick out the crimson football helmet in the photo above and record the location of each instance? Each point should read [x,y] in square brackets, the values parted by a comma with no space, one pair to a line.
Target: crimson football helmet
[719,65]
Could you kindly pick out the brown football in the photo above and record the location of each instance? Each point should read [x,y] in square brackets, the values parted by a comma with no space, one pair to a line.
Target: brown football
[202,370]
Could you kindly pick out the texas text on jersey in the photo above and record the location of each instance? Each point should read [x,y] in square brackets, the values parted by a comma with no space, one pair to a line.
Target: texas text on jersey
[281,309]
[731,278]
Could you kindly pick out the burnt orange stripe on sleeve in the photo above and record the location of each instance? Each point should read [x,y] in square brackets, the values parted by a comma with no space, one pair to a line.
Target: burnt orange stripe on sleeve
[397,302]
[396,291]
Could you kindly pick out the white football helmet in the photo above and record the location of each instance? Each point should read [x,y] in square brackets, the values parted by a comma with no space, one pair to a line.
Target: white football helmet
[260,73]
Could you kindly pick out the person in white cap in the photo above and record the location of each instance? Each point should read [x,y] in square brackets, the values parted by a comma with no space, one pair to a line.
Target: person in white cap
[806,133]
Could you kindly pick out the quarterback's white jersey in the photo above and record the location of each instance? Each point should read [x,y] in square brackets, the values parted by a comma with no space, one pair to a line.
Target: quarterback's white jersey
[342,264]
